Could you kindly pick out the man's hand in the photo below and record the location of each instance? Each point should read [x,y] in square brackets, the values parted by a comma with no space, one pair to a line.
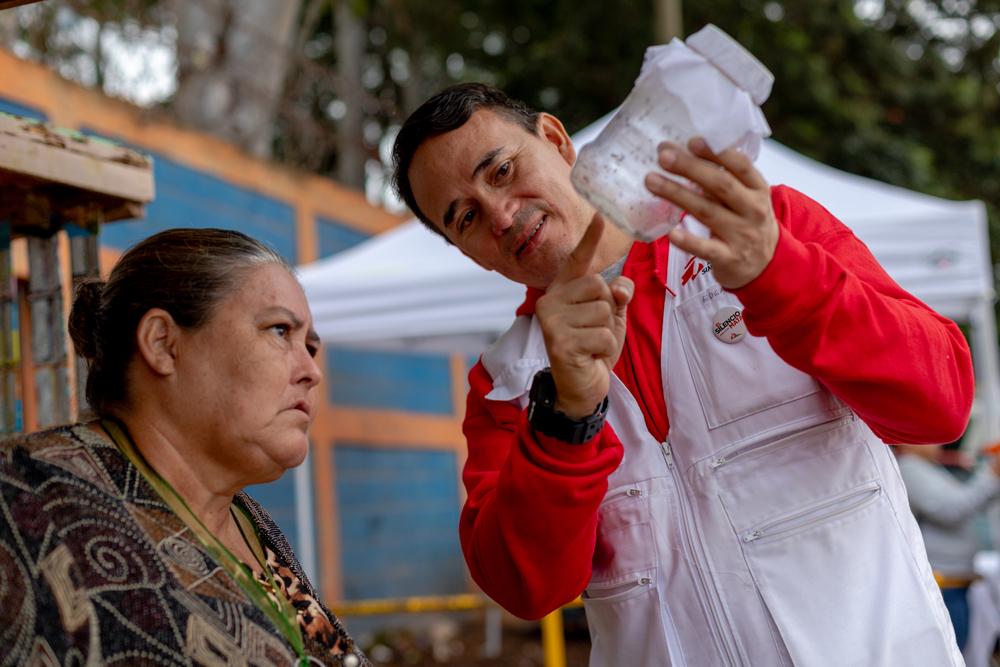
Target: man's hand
[735,204]
[583,322]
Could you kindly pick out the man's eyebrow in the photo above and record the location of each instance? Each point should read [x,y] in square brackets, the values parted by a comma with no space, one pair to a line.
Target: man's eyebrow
[488,159]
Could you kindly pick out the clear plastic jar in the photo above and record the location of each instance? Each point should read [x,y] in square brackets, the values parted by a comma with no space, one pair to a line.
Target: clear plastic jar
[709,87]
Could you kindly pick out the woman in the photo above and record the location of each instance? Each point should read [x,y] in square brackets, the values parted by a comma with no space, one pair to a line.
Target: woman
[129,539]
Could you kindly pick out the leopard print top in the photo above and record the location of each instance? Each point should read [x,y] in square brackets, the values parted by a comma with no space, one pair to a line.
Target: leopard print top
[324,635]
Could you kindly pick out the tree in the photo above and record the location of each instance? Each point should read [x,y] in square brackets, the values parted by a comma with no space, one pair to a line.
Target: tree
[905,91]
[232,58]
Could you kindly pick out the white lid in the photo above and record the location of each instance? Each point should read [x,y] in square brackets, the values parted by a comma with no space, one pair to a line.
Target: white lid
[734,61]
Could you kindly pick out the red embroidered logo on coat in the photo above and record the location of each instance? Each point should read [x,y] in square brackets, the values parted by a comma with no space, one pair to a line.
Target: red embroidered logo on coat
[694,268]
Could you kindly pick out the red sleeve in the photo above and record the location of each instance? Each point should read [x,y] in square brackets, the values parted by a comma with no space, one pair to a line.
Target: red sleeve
[829,309]
[529,525]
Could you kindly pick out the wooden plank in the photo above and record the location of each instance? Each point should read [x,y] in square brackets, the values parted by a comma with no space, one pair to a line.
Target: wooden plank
[125,175]
[32,206]
[70,140]
[10,4]
[51,175]
[388,428]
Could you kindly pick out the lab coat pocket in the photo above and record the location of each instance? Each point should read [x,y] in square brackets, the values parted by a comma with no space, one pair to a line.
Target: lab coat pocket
[625,623]
[864,606]
[625,544]
[728,376]
[621,601]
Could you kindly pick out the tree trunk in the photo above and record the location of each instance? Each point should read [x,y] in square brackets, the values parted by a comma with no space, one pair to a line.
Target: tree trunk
[667,20]
[8,28]
[351,154]
[232,59]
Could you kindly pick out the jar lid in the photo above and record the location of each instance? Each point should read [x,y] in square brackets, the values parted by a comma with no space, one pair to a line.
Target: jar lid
[742,68]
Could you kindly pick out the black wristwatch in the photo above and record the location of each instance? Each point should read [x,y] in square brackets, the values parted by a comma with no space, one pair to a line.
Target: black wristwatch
[544,418]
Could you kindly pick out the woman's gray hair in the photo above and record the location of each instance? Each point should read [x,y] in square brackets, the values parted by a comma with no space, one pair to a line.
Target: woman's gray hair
[186,272]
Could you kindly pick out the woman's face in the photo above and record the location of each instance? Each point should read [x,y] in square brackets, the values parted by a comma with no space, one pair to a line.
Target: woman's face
[246,378]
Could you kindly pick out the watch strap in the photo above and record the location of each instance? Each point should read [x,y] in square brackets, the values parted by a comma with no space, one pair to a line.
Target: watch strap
[547,420]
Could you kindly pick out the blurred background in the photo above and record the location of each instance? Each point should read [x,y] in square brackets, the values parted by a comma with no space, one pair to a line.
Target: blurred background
[277,118]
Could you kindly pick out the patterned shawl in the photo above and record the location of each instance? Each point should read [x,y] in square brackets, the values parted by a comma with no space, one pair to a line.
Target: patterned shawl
[96,569]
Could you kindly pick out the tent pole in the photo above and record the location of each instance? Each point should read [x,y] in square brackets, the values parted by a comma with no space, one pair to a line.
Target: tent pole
[305,518]
[986,355]
[984,344]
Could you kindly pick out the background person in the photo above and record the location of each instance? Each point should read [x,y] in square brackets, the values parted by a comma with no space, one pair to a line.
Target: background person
[945,508]
[692,438]
[129,538]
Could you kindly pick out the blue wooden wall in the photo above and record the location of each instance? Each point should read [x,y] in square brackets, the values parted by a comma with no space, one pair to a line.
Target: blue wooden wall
[398,521]
[389,380]
[186,197]
[335,236]
[398,507]
[9,106]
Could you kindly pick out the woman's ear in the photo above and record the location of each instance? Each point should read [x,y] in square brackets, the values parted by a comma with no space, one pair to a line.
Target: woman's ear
[156,340]
[551,130]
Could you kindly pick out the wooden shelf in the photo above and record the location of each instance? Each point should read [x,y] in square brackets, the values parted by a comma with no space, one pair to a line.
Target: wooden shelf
[51,175]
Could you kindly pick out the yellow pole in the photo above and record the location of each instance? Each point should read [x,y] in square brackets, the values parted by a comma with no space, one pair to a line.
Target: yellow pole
[553,640]
[410,605]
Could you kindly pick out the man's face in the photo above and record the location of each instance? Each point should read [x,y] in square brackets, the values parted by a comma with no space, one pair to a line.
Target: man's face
[503,195]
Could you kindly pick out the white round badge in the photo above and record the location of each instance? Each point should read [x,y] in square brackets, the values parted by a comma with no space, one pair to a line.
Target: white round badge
[728,325]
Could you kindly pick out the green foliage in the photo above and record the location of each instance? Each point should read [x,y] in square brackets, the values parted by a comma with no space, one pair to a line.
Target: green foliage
[575,59]
[875,87]
[905,91]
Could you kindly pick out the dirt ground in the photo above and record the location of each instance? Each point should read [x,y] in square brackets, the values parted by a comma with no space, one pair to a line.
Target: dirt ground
[462,644]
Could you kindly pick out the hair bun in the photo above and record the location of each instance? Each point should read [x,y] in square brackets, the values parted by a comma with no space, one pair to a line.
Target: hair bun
[84,318]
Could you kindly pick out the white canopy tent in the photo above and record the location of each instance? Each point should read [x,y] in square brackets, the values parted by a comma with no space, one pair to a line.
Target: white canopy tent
[407,289]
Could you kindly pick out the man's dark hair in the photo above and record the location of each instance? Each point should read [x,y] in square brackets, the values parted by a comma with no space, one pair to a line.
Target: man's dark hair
[449,110]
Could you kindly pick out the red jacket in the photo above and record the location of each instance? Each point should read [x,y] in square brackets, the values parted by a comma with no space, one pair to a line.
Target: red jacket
[528,528]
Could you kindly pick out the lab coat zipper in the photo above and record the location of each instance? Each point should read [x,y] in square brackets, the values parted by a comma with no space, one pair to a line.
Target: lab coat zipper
[764,444]
[851,501]
[720,631]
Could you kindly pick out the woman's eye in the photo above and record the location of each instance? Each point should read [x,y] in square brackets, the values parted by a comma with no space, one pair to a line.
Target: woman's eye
[503,169]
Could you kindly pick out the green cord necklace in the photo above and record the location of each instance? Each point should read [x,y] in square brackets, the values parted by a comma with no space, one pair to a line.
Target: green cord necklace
[279,611]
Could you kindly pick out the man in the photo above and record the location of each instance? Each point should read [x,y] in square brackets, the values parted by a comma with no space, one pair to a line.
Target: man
[688,439]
